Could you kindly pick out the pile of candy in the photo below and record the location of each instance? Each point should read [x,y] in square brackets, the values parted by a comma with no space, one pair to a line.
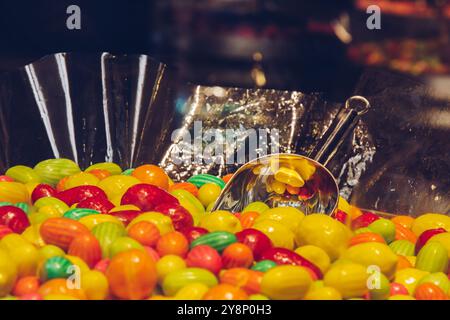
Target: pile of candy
[107,234]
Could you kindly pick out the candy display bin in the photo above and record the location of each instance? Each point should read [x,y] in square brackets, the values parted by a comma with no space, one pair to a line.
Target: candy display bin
[91,189]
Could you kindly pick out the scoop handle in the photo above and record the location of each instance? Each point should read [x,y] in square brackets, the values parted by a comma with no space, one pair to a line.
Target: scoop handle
[343,124]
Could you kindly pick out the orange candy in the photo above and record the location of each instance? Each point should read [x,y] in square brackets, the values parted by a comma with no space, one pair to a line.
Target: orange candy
[86,247]
[100,173]
[61,186]
[61,287]
[26,285]
[225,291]
[144,232]
[152,174]
[292,190]
[190,187]
[246,279]
[365,237]
[402,233]
[172,243]
[429,291]
[248,219]
[132,275]
[61,231]
[355,212]
[405,221]
[403,263]
[237,255]
[227,177]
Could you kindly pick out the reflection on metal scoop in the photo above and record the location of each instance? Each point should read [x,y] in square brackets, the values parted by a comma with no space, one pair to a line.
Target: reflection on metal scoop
[294,180]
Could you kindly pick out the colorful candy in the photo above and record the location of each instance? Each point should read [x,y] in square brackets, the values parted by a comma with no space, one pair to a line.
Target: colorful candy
[102,233]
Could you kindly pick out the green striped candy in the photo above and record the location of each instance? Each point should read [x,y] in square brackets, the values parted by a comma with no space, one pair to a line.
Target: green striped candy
[433,257]
[56,267]
[23,174]
[201,179]
[24,206]
[53,170]
[111,167]
[128,172]
[218,240]
[402,247]
[4,203]
[78,213]
[106,233]
[264,265]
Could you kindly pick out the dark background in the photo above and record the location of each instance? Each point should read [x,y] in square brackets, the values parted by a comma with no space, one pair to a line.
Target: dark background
[303,60]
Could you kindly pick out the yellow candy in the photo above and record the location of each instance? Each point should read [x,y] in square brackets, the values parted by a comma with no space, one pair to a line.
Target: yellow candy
[221,221]
[288,216]
[409,277]
[95,219]
[289,176]
[411,259]
[324,293]
[430,221]
[112,168]
[95,285]
[286,283]
[373,254]
[279,234]
[8,273]
[316,255]
[13,192]
[256,206]
[401,297]
[350,279]
[278,187]
[185,196]
[124,208]
[116,186]
[51,211]
[193,291]
[33,235]
[81,179]
[208,193]
[167,264]
[22,252]
[61,206]
[304,168]
[196,214]
[37,218]
[77,261]
[48,251]
[23,174]
[343,205]
[163,222]
[444,239]
[324,232]
[31,186]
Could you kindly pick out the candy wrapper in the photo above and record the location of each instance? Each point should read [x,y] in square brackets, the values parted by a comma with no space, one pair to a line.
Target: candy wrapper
[131,110]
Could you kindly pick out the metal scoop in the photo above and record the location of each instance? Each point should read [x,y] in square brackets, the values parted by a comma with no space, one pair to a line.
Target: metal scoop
[293,180]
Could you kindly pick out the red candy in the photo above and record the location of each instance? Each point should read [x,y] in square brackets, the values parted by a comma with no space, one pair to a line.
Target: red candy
[181,218]
[41,191]
[102,265]
[205,257]
[425,236]
[340,216]
[14,218]
[364,220]
[193,233]
[397,288]
[257,241]
[286,256]
[80,193]
[147,197]
[125,215]
[99,203]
